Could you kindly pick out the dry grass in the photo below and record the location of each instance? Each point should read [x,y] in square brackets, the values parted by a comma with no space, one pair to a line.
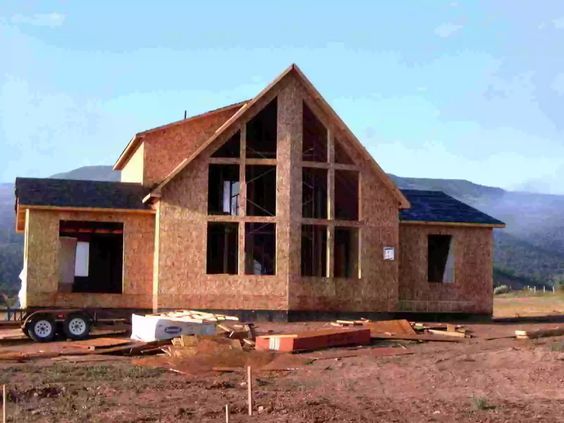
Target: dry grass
[525,303]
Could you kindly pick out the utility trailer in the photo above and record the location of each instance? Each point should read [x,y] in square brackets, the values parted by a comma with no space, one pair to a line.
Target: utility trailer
[44,325]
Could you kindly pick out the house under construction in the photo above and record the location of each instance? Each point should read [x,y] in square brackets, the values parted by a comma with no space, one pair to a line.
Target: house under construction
[270,206]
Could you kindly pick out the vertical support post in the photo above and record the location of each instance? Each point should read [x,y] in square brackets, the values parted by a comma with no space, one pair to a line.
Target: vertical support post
[226,413]
[4,403]
[250,389]
[242,198]
[330,203]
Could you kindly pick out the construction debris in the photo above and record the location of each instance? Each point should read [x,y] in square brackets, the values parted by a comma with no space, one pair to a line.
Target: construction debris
[160,326]
[404,330]
[539,333]
[313,340]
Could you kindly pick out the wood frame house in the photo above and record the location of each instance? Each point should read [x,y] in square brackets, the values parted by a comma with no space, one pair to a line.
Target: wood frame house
[270,206]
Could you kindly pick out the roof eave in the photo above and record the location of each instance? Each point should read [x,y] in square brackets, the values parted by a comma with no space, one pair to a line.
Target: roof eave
[127,152]
[441,223]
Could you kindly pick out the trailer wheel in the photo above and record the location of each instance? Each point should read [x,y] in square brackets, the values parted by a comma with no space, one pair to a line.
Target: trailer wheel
[77,326]
[41,328]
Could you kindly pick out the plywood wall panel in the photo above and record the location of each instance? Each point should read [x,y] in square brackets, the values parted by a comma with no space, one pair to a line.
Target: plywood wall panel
[42,245]
[133,170]
[166,148]
[471,291]
[182,278]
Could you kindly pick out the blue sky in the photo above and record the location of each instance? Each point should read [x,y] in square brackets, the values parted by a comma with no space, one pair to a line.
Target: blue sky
[449,89]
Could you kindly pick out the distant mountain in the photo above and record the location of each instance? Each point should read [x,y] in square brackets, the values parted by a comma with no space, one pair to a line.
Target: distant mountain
[530,251]
[90,173]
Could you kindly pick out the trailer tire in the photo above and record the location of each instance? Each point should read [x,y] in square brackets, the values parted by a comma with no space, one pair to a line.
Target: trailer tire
[41,328]
[77,326]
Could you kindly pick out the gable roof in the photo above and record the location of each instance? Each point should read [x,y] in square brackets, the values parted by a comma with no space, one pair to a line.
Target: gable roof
[322,103]
[137,138]
[68,193]
[438,207]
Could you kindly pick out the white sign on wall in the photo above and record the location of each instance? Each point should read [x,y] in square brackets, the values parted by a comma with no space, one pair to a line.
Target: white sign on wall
[389,253]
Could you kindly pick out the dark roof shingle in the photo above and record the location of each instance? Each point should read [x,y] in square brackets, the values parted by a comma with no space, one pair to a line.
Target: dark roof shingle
[436,206]
[75,193]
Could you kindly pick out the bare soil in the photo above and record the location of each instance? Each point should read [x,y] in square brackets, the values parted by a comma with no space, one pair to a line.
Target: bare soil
[478,380]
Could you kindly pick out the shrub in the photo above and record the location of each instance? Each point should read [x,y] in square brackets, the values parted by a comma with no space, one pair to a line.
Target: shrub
[559,286]
[480,403]
[502,289]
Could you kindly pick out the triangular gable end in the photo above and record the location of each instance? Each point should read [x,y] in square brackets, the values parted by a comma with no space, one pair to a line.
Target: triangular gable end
[250,108]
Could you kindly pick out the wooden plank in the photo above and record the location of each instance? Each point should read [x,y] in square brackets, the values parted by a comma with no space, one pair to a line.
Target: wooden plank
[448,333]
[539,333]
[416,338]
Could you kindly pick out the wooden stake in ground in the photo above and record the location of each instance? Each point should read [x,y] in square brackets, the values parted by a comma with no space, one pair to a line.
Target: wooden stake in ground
[226,413]
[250,389]
[3,403]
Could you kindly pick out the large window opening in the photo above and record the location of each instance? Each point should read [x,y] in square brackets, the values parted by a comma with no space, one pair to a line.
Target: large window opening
[345,252]
[341,156]
[314,193]
[346,195]
[314,250]
[223,189]
[314,142]
[261,133]
[261,190]
[231,148]
[440,259]
[90,256]
[260,248]
[222,248]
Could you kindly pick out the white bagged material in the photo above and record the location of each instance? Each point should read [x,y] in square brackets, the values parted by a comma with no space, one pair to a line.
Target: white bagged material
[154,328]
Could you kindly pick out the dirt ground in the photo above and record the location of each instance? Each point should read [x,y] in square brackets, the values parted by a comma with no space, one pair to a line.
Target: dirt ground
[477,380]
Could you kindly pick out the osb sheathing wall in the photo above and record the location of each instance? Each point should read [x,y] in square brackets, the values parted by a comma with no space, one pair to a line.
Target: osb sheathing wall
[182,279]
[133,169]
[166,148]
[42,250]
[376,289]
[471,291]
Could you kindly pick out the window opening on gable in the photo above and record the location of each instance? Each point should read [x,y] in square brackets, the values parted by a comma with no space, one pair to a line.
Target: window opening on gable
[314,140]
[440,259]
[231,148]
[222,248]
[345,253]
[346,195]
[314,193]
[223,189]
[314,250]
[90,256]
[261,190]
[260,248]
[261,133]
[341,156]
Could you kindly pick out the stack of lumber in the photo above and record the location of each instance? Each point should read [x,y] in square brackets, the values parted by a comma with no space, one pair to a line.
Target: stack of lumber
[193,316]
[539,333]
[313,340]
[402,329]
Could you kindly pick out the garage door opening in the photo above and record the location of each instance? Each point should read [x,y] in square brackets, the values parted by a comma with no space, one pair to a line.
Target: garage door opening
[90,257]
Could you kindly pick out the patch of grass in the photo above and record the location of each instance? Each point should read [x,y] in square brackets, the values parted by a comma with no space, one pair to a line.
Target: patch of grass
[557,346]
[480,403]
[103,373]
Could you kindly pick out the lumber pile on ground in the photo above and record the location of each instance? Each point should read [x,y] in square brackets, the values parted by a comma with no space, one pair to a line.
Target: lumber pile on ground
[402,329]
[314,340]
[539,333]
